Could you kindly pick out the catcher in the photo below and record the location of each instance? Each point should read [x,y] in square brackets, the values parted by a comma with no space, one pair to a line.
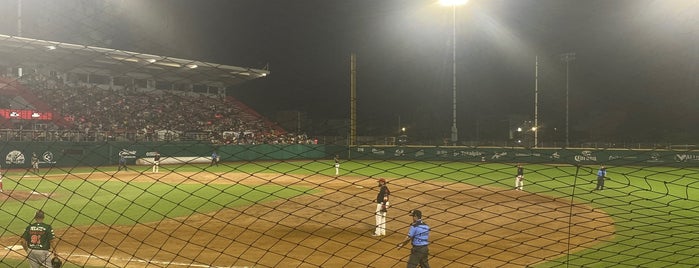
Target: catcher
[38,240]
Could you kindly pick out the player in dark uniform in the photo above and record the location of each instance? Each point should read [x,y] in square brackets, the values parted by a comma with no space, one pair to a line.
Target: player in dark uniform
[122,162]
[38,240]
[35,163]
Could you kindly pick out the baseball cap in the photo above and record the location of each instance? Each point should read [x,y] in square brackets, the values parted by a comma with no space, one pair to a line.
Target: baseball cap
[39,215]
[382,180]
[416,213]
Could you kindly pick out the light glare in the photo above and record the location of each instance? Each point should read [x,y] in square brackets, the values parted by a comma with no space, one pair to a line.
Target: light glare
[453,2]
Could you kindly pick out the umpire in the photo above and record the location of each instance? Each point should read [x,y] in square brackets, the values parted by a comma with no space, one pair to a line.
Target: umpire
[419,234]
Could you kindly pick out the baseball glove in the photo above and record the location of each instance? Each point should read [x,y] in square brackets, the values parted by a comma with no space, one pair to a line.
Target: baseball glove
[56,262]
[384,208]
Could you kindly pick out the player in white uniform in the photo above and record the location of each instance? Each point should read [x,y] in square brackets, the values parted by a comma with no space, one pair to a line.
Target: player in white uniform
[156,162]
[519,180]
[381,208]
[337,165]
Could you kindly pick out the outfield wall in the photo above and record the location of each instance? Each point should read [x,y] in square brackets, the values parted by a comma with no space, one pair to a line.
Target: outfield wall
[66,154]
[574,156]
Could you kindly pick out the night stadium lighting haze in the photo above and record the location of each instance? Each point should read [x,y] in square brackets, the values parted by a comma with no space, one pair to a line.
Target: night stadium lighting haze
[452,2]
[636,62]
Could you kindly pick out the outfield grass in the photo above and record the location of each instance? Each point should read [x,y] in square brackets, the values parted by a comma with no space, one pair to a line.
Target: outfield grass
[655,209]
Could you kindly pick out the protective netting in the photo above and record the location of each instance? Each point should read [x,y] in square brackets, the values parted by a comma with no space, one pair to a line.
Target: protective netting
[298,213]
[83,124]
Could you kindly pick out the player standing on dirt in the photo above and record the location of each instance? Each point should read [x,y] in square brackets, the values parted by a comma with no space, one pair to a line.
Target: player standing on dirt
[419,234]
[381,208]
[38,240]
[519,179]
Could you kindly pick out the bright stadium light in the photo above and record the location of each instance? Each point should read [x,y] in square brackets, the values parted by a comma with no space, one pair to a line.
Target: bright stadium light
[452,2]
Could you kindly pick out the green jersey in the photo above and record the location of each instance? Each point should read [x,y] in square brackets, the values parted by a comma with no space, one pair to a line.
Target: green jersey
[38,236]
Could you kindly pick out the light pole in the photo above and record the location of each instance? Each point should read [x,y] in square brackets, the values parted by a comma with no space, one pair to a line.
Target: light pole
[567,58]
[453,4]
[536,104]
[19,30]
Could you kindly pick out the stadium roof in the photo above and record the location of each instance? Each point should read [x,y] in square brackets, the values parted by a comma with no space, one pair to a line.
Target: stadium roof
[65,57]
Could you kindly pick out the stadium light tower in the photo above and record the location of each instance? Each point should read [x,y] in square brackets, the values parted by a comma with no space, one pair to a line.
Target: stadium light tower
[567,58]
[453,4]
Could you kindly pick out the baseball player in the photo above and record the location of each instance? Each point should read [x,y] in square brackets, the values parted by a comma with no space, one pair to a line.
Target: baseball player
[38,240]
[214,159]
[519,179]
[381,208]
[122,162]
[337,165]
[156,162]
[35,163]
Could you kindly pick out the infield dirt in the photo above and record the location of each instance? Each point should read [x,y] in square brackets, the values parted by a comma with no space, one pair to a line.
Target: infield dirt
[471,227]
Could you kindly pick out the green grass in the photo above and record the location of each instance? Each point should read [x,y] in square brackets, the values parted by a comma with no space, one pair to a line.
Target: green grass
[84,202]
[655,209]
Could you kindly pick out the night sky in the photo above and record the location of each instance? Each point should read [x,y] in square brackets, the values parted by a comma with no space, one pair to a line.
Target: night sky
[635,77]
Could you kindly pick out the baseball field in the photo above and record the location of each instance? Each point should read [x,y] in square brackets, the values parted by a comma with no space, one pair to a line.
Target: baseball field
[299,214]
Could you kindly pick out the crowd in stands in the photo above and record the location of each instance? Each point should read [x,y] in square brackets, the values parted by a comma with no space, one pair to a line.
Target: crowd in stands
[156,115]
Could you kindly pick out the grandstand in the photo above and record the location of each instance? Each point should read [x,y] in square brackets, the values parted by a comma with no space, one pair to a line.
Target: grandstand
[82,93]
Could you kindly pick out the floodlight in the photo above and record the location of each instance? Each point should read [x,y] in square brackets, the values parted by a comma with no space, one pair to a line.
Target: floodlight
[452,2]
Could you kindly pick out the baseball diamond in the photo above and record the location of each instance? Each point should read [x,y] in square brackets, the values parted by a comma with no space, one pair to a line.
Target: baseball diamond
[330,227]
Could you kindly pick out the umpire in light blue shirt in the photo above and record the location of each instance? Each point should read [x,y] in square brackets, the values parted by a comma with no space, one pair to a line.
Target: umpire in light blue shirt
[418,235]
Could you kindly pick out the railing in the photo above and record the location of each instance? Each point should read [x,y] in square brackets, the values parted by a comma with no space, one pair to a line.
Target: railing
[97,136]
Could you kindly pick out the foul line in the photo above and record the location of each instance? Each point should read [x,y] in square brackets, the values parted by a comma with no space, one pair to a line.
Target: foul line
[133,259]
